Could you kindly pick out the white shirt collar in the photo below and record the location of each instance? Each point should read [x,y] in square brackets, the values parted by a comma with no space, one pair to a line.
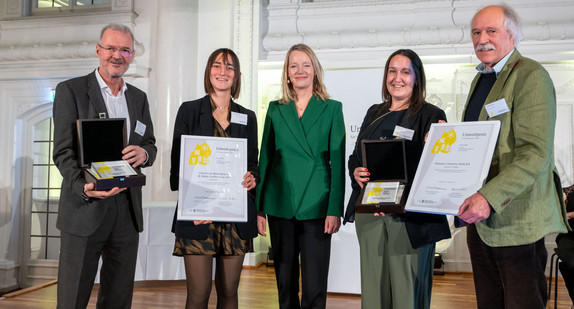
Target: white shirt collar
[106,88]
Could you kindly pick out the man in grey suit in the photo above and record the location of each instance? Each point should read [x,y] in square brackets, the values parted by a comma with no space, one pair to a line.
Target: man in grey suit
[96,224]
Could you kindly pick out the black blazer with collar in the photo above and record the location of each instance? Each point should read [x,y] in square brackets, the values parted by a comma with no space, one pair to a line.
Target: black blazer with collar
[195,118]
[81,98]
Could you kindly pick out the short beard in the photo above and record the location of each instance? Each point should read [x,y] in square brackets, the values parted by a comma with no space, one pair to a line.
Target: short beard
[116,75]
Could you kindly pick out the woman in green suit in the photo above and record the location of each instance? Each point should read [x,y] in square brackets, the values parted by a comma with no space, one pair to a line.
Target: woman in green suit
[302,179]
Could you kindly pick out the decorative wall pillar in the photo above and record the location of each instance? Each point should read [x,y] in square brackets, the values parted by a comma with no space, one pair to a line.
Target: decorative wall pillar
[246,45]
[171,81]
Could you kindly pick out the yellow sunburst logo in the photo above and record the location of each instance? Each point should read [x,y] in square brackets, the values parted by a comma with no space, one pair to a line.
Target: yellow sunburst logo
[376,191]
[200,155]
[444,143]
[104,169]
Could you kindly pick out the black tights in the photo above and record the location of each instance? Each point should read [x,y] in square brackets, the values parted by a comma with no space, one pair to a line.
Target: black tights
[198,272]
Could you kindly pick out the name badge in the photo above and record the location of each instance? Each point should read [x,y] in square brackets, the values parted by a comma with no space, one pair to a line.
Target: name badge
[404,133]
[239,118]
[496,108]
[140,128]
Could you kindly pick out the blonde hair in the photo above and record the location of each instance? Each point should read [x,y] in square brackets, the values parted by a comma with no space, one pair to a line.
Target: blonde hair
[319,88]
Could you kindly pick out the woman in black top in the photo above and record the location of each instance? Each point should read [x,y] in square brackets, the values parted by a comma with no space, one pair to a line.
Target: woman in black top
[397,251]
[199,241]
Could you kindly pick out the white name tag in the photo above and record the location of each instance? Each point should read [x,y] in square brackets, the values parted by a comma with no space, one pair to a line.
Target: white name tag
[497,108]
[140,128]
[239,118]
[404,133]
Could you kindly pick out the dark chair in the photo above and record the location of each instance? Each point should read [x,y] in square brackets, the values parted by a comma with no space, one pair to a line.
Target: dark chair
[554,262]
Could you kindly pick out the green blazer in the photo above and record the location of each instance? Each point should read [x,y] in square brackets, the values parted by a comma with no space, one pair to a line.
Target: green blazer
[522,186]
[302,161]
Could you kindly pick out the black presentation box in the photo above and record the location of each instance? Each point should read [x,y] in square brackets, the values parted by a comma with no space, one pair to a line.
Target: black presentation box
[387,165]
[102,140]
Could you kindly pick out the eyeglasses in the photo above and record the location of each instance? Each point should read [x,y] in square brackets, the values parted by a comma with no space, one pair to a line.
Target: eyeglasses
[112,50]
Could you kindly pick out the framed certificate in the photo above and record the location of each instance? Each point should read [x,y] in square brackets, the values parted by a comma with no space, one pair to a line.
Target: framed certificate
[210,174]
[388,188]
[454,165]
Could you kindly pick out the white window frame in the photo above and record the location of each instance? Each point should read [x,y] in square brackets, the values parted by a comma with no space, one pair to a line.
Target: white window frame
[73,8]
[30,269]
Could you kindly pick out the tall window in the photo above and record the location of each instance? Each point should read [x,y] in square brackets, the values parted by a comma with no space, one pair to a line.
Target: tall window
[44,236]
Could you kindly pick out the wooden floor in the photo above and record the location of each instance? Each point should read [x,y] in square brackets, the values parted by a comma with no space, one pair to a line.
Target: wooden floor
[257,290]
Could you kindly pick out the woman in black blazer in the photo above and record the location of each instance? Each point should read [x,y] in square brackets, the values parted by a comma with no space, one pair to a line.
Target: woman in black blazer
[397,250]
[199,241]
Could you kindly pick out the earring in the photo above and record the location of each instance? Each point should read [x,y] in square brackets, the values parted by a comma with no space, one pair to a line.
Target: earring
[288,81]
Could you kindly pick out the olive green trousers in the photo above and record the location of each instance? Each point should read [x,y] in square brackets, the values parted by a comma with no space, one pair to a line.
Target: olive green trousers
[393,273]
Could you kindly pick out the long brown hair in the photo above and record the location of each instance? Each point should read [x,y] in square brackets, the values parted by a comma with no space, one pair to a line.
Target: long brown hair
[419,89]
[225,53]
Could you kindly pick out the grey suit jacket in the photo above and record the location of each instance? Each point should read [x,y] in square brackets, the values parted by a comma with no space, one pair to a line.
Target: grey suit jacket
[81,98]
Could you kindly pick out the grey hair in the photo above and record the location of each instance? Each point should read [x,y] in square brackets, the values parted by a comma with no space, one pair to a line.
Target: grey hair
[120,28]
[512,23]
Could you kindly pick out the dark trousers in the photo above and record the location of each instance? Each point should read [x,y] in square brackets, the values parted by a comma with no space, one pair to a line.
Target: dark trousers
[565,251]
[116,241]
[289,239]
[508,277]
[567,271]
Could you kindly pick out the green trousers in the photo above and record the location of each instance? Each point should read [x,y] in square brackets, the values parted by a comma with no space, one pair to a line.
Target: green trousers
[393,273]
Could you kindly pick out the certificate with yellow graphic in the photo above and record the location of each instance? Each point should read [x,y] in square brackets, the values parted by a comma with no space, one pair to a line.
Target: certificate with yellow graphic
[210,174]
[382,192]
[454,164]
